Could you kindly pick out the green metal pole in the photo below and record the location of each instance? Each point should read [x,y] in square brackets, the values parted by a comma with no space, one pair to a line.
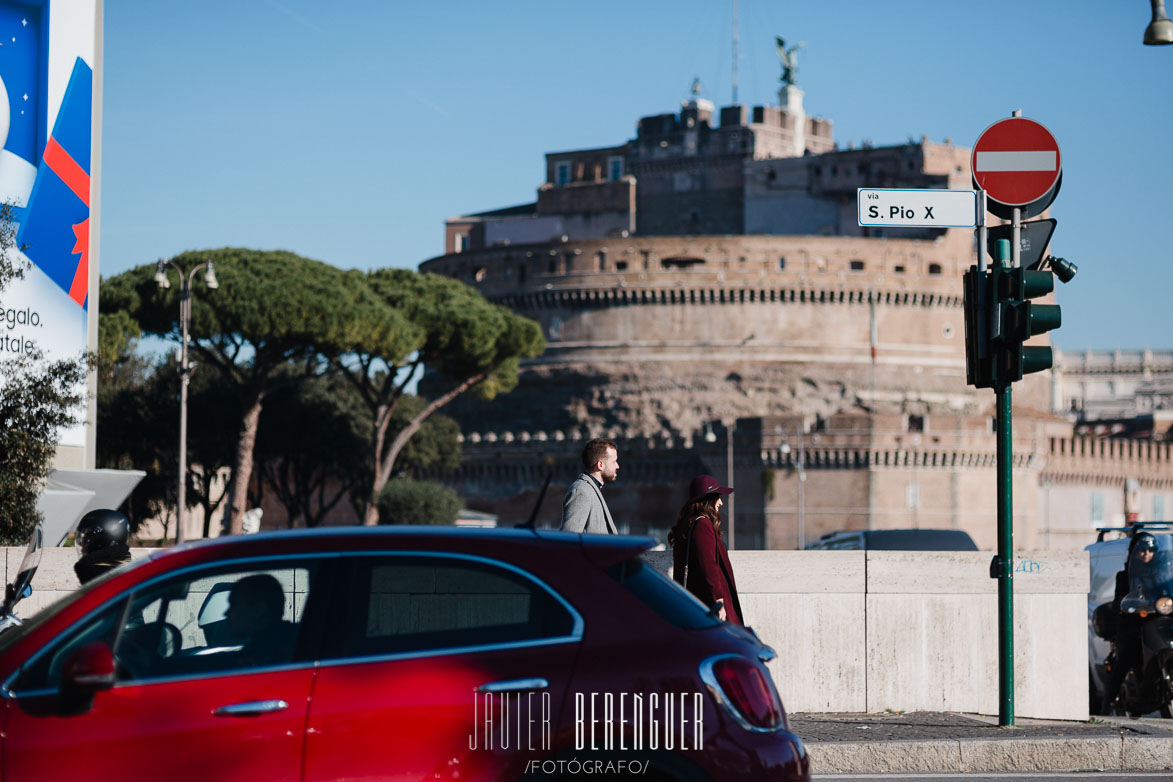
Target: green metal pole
[1005,562]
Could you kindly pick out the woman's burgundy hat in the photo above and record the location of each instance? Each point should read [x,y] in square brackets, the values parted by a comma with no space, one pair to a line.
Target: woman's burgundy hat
[703,485]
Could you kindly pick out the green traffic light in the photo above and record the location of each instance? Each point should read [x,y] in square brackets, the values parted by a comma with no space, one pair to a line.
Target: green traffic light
[1041,318]
[1031,284]
[1034,359]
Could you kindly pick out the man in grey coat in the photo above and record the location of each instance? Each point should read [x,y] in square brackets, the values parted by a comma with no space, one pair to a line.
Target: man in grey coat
[584,509]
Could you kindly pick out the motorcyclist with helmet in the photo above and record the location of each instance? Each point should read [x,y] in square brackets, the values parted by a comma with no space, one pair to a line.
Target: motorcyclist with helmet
[1141,551]
[101,541]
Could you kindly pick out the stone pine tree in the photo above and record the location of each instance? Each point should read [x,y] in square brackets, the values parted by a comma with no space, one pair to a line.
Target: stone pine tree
[37,400]
[468,343]
[272,309]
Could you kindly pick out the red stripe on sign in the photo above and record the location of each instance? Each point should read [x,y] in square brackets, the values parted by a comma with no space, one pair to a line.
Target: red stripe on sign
[80,287]
[64,166]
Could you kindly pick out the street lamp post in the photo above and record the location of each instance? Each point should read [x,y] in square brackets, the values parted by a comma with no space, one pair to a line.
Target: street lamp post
[185,282]
[730,430]
[711,437]
[799,465]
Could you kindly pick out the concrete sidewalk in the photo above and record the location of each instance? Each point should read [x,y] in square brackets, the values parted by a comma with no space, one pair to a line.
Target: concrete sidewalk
[920,742]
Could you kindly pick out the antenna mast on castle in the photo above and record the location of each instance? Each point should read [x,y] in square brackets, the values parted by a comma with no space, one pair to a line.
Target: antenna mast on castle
[734,52]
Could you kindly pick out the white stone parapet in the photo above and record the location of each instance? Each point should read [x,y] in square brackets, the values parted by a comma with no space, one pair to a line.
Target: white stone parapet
[863,631]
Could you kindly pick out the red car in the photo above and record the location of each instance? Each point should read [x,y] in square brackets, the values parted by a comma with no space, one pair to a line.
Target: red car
[390,654]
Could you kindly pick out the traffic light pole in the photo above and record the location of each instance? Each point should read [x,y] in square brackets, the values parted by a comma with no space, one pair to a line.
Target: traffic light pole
[1006,521]
[1005,561]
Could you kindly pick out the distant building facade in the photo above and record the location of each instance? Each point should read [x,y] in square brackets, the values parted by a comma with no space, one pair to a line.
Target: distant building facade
[710,301]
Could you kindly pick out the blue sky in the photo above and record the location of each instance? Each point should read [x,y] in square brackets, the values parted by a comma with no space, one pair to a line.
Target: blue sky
[348,132]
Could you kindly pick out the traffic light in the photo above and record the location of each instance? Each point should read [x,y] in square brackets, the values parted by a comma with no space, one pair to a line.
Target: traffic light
[1015,318]
[978,366]
[1000,317]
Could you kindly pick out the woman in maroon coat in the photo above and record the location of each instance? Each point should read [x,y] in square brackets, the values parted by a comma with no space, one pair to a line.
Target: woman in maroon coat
[697,547]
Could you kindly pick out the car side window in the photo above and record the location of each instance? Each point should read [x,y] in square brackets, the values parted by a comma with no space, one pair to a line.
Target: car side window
[231,618]
[238,616]
[403,604]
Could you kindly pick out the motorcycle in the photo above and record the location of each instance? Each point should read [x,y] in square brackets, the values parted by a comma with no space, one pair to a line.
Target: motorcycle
[1149,603]
[21,586]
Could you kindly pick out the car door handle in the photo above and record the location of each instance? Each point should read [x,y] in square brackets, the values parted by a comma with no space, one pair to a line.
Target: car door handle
[515,685]
[251,708]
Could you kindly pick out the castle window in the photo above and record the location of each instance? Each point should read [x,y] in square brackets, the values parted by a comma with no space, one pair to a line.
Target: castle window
[857,266]
[681,263]
[614,168]
[562,173]
[600,260]
[912,495]
[916,423]
[934,268]
[898,268]
[620,266]
[782,262]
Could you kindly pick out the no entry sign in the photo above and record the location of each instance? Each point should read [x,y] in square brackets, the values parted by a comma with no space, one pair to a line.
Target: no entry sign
[1017,162]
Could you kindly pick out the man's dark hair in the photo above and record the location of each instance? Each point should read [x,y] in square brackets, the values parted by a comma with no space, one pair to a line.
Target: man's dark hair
[595,450]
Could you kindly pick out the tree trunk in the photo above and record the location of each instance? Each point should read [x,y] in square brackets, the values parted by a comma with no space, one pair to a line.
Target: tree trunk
[415,423]
[243,468]
[382,419]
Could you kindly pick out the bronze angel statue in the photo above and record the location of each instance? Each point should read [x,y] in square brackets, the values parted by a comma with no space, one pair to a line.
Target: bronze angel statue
[789,59]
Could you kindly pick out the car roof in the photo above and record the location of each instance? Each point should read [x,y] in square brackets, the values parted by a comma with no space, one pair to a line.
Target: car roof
[602,549]
[920,540]
[902,539]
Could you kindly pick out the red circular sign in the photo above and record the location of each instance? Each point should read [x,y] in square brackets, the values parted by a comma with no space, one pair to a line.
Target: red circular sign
[1016,161]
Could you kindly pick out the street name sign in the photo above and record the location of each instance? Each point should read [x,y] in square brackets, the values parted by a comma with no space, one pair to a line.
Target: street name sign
[917,208]
[1017,162]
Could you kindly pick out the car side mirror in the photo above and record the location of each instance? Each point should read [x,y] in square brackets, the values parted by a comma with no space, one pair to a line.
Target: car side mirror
[89,669]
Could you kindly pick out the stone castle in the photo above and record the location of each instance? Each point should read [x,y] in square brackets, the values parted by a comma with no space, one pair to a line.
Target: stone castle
[711,303]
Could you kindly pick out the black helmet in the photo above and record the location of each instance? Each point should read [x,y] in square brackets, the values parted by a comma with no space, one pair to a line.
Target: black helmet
[101,529]
[1145,541]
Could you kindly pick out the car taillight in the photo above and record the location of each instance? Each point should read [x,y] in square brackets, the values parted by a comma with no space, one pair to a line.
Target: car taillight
[749,691]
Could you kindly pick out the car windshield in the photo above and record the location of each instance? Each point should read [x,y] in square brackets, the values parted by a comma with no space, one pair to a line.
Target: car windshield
[1152,577]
